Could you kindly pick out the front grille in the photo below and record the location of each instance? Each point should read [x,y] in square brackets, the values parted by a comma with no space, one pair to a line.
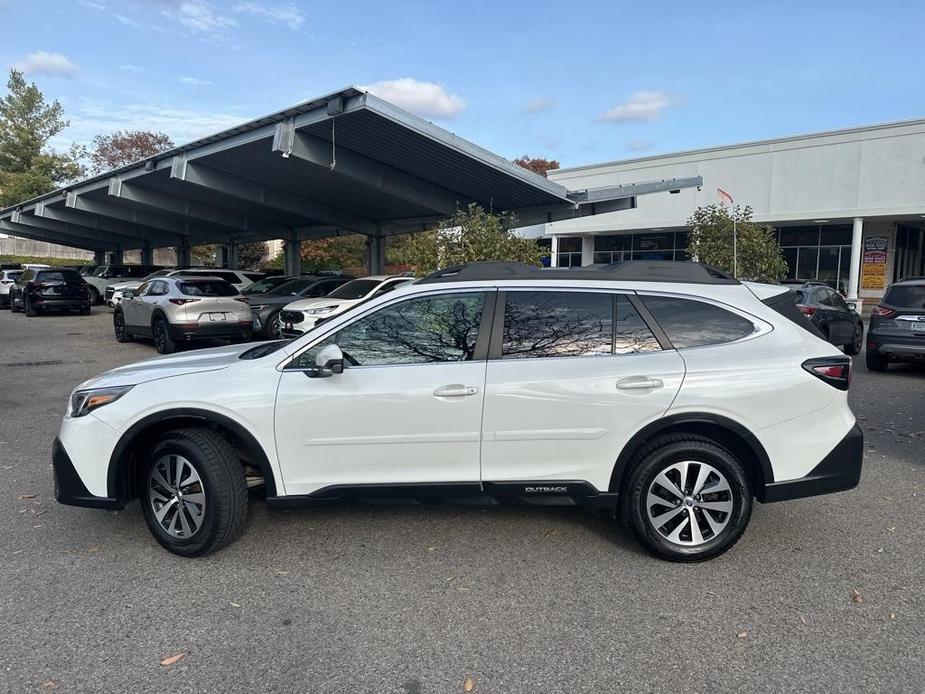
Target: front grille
[291,316]
[109,292]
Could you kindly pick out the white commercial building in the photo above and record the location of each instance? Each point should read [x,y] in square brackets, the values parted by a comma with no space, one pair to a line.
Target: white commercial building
[848,206]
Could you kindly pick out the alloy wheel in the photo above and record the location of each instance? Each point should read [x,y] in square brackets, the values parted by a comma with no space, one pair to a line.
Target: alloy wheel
[119,324]
[160,336]
[276,328]
[689,503]
[177,496]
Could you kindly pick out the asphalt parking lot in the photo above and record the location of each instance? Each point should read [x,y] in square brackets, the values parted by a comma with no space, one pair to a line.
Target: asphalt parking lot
[820,594]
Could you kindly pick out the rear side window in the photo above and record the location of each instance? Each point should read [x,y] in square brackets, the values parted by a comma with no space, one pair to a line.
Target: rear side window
[905,296]
[691,323]
[206,288]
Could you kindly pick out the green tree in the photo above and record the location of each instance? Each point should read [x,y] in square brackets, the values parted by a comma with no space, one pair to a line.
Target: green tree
[27,166]
[758,255]
[250,254]
[470,235]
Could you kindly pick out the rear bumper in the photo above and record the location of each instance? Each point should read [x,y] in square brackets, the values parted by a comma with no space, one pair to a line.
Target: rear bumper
[839,471]
[70,489]
[904,346]
[56,303]
[208,331]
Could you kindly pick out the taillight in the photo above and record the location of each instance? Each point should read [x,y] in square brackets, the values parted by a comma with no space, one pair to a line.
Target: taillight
[836,371]
[883,311]
[242,299]
[806,310]
[182,302]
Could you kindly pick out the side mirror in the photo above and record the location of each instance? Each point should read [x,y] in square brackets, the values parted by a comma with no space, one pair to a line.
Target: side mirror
[330,361]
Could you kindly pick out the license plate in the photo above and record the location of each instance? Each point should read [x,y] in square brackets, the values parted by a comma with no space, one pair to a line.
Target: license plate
[918,327]
[217,316]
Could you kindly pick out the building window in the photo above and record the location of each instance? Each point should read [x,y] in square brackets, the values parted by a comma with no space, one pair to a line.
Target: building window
[569,252]
[818,253]
[668,245]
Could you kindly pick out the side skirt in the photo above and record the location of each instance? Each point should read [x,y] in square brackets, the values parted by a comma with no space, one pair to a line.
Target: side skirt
[540,493]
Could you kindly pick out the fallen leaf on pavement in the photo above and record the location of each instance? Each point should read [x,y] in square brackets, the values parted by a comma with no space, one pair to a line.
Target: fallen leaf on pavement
[92,549]
[551,532]
[167,662]
[742,634]
[892,615]
[234,604]
[25,496]
[856,597]
[49,684]
[469,685]
[803,619]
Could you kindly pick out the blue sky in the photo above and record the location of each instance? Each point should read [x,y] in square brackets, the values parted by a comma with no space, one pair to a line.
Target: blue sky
[579,82]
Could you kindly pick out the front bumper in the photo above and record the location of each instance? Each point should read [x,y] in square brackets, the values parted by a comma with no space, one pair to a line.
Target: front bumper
[839,471]
[70,489]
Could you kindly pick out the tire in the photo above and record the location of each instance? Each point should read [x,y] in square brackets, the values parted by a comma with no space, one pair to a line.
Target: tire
[95,299]
[718,529]
[118,327]
[13,307]
[29,308]
[211,496]
[857,341]
[273,329]
[163,343]
[875,361]
[85,311]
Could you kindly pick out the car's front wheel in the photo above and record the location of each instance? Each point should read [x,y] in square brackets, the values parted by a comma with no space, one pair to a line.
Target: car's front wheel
[29,308]
[118,327]
[686,498]
[194,493]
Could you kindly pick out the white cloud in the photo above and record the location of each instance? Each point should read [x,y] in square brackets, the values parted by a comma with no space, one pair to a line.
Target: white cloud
[135,69]
[639,145]
[540,104]
[45,63]
[287,13]
[194,81]
[423,98]
[92,5]
[641,106]
[127,21]
[199,17]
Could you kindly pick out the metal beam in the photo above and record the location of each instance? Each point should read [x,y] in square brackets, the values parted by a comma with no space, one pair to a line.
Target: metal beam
[28,232]
[185,208]
[65,228]
[341,161]
[633,189]
[90,221]
[530,216]
[273,198]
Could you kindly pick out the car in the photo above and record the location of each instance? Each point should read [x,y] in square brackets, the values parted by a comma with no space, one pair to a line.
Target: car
[266,307]
[301,316]
[7,279]
[833,317]
[897,326]
[105,275]
[113,293]
[58,289]
[239,279]
[182,309]
[670,394]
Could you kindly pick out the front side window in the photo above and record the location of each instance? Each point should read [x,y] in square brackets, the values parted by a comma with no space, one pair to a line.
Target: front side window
[691,323]
[423,330]
[543,324]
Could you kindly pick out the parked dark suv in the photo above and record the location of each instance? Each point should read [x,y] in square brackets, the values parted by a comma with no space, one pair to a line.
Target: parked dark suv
[829,312]
[897,325]
[56,289]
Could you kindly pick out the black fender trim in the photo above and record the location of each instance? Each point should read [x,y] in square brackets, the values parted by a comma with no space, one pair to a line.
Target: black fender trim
[70,490]
[117,485]
[839,471]
[696,419]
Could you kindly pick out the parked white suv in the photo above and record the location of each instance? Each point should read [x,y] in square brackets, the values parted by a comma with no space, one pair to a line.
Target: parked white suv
[666,391]
[7,279]
[236,278]
[301,316]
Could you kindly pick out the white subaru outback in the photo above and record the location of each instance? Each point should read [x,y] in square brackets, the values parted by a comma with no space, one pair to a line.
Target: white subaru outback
[668,392]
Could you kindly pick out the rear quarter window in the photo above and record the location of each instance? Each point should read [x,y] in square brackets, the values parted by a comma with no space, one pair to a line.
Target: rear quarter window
[693,323]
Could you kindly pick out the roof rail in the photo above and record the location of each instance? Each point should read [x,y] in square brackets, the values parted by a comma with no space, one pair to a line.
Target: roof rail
[628,271]
[914,278]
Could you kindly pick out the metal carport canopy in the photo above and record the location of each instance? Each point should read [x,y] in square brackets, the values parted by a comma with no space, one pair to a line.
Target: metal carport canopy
[346,162]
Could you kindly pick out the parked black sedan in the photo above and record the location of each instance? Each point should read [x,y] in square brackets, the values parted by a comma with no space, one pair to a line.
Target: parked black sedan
[266,307]
[55,289]
[826,308]
[897,325]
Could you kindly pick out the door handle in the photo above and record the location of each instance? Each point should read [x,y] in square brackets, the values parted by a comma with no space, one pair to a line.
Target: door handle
[455,390]
[639,383]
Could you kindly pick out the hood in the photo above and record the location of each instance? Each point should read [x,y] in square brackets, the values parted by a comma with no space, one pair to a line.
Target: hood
[304,304]
[134,284]
[170,365]
[272,299]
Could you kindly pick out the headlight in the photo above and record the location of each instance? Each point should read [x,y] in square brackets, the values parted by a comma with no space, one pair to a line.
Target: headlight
[258,307]
[85,401]
[320,311]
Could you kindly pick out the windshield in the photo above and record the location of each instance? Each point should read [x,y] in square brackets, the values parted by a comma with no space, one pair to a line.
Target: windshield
[355,289]
[159,273]
[294,287]
[207,288]
[100,271]
[264,285]
[906,296]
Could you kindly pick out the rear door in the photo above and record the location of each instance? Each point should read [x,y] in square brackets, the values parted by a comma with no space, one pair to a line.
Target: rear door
[573,374]
[838,316]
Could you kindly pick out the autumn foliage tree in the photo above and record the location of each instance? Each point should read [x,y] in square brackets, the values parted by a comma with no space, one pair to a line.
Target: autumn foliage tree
[125,147]
[537,164]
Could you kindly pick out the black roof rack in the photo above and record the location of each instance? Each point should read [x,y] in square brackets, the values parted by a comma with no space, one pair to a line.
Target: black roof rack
[914,278]
[628,271]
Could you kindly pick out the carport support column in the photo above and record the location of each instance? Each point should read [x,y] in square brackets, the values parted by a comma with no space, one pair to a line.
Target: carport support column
[375,254]
[184,255]
[117,257]
[293,254]
[230,256]
[147,256]
[854,271]
[99,257]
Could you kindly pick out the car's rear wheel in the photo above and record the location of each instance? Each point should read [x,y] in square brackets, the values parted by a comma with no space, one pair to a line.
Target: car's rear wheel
[95,299]
[13,307]
[118,327]
[30,309]
[876,361]
[194,493]
[857,340]
[163,343]
[686,498]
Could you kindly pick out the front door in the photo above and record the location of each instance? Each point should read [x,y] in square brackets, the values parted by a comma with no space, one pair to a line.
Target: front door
[579,372]
[407,408]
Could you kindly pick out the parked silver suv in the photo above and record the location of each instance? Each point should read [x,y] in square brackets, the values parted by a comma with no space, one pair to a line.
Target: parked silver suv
[182,309]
